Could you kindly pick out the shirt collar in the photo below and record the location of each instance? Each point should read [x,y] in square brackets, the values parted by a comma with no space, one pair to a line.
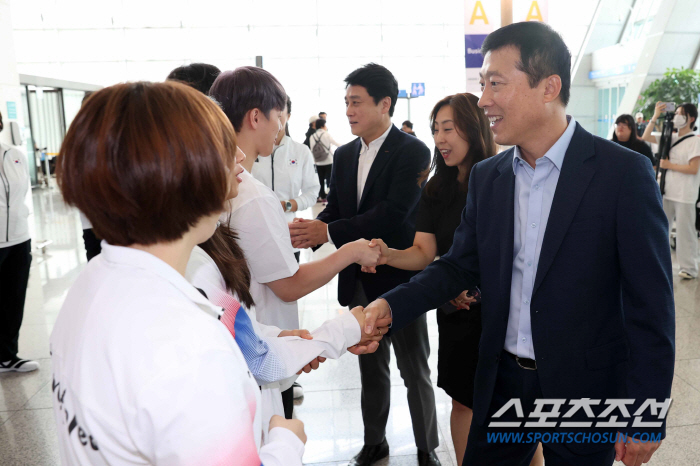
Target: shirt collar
[377,143]
[557,152]
[130,257]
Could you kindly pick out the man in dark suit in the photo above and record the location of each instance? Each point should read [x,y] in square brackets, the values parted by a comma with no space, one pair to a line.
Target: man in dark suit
[566,238]
[374,193]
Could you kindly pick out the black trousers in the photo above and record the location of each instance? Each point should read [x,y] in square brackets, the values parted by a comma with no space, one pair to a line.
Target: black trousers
[14,277]
[324,175]
[92,244]
[513,381]
[412,350]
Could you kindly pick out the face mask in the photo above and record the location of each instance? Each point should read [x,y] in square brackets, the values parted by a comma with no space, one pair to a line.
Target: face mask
[679,121]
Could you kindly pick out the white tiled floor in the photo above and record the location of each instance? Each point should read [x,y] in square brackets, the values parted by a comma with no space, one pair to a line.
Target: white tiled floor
[331,406]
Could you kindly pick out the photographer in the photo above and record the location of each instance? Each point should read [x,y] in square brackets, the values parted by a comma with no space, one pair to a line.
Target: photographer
[682,183]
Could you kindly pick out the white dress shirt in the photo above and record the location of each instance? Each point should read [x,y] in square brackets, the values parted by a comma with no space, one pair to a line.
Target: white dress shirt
[367,155]
[293,176]
[534,193]
[145,373]
[257,217]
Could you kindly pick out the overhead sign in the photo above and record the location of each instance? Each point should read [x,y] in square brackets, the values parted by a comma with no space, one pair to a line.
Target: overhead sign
[481,17]
[11,111]
[417,89]
[530,10]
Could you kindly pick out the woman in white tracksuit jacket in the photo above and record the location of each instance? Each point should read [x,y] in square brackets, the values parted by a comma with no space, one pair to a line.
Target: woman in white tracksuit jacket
[15,255]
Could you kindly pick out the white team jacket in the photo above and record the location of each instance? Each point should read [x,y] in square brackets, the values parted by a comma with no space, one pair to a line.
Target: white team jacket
[14,185]
[293,176]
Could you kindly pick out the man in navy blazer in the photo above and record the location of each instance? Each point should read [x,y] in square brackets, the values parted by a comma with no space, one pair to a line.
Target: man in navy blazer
[566,237]
[374,192]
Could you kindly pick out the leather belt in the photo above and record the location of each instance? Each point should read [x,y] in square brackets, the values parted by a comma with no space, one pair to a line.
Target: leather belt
[524,363]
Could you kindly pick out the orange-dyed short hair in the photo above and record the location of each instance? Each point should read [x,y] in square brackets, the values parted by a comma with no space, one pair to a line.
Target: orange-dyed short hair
[145,161]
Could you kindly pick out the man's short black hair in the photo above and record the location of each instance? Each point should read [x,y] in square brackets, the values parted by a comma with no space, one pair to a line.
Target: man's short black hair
[247,88]
[320,123]
[321,113]
[407,123]
[378,81]
[198,75]
[543,52]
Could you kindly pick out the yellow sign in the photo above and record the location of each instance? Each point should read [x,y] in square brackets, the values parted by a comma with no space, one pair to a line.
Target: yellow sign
[534,14]
[530,10]
[478,13]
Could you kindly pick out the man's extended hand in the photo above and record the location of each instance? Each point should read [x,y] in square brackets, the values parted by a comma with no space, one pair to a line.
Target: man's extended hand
[634,453]
[308,233]
[368,343]
[377,315]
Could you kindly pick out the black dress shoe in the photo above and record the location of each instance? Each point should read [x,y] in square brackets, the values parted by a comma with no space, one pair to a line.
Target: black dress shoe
[371,454]
[428,459]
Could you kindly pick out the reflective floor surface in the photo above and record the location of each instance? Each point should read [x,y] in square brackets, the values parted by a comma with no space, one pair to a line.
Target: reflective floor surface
[330,408]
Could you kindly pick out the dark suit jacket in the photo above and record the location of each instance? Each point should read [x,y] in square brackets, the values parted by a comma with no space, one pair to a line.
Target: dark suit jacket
[387,209]
[602,309]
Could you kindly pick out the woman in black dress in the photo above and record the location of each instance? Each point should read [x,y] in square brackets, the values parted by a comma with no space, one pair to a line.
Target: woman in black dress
[462,137]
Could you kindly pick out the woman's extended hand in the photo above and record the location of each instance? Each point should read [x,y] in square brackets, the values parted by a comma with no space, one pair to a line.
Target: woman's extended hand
[364,254]
[463,300]
[379,244]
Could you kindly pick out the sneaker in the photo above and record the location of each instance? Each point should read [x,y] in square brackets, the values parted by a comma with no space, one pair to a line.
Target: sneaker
[298,391]
[18,365]
[685,275]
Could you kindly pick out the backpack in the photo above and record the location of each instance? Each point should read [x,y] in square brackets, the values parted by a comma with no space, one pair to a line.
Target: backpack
[320,152]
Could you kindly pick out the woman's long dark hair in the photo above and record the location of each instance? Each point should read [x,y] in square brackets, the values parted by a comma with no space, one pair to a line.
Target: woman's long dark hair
[629,121]
[473,126]
[229,258]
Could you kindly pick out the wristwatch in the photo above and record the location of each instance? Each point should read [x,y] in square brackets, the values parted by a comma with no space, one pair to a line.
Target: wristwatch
[287,206]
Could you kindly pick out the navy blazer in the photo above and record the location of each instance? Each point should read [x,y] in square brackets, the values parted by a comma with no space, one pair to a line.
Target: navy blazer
[387,209]
[602,308]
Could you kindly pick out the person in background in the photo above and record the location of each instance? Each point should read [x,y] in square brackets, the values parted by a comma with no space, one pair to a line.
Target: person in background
[323,156]
[640,124]
[197,75]
[289,172]
[625,135]
[144,372]
[323,116]
[15,255]
[682,183]
[407,127]
[311,130]
[377,181]
[253,100]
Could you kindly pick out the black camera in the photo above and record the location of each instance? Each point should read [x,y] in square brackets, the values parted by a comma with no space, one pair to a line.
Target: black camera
[664,148]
